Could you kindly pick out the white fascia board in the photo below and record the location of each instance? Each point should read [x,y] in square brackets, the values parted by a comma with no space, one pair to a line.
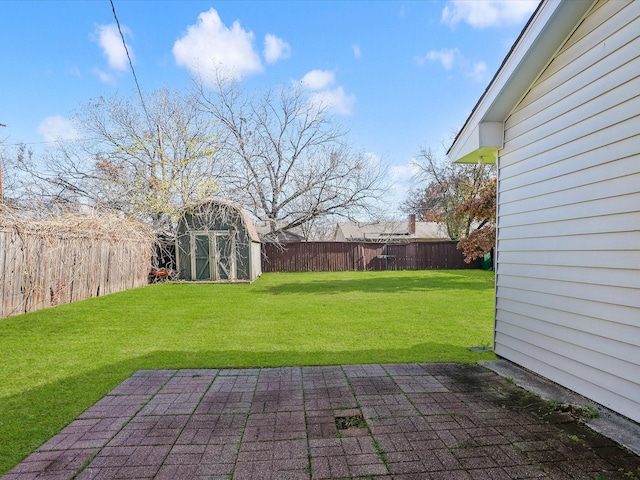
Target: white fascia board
[552,23]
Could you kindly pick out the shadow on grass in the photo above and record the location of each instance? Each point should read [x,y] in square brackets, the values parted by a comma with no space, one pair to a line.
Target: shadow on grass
[403,282]
[29,419]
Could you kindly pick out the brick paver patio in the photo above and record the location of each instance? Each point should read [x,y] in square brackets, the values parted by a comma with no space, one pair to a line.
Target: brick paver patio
[409,421]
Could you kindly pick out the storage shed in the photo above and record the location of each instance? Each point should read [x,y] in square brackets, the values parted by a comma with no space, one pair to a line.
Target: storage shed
[217,241]
[562,120]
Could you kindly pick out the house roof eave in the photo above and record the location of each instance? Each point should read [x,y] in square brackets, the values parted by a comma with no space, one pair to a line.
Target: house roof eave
[481,156]
[549,26]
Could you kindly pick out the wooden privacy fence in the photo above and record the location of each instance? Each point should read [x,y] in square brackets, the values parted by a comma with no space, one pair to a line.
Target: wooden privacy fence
[44,264]
[342,256]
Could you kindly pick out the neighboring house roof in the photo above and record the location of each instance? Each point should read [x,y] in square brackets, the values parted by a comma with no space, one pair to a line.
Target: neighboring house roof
[482,134]
[382,231]
[283,236]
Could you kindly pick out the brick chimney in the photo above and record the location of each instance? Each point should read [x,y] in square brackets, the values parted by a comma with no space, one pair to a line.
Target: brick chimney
[412,224]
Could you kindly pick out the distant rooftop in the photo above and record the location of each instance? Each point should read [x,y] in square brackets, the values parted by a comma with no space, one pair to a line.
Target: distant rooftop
[407,230]
[283,236]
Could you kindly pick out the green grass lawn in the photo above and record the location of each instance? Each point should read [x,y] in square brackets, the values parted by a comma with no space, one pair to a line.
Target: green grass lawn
[55,363]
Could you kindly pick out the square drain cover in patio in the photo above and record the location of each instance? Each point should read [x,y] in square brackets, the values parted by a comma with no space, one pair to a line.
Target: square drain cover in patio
[350,421]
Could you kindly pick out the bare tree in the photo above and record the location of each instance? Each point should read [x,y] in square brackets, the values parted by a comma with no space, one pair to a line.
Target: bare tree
[290,161]
[145,160]
[445,186]
[17,178]
[1,186]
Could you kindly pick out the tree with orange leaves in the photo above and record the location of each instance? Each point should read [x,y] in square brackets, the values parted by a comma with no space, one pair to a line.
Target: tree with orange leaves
[444,186]
[482,210]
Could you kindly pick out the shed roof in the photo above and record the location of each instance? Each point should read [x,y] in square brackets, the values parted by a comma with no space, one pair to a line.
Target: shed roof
[248,222]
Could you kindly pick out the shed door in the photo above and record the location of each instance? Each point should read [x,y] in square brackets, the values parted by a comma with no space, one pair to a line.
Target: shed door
[202,256]
[213,256]
[224,256]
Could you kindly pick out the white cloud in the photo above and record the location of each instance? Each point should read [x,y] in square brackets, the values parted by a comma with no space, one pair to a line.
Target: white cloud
[104,76]
[372,159]
[357,53]
[210,45]
[318,79]
[446,57]
[74,71]
[336,100]
[401,180]
[487,13]
[108,37]
[479,71]
[275,48]
[451,57]
[402,175]
[57,128]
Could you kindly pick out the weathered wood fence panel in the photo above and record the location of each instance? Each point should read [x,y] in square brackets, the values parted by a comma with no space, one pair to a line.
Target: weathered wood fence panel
[39,270]
[345,256]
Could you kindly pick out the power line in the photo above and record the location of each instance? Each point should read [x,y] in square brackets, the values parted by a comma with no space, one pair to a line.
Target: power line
[52,142]
[135,77]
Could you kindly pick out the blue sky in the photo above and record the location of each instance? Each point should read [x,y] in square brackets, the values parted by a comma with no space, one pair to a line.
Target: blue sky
[401,75]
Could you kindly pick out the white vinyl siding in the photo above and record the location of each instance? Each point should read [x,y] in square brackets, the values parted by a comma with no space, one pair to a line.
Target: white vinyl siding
[568,243]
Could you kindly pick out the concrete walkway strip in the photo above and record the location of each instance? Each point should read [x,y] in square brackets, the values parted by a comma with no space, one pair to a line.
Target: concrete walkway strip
[399,421]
